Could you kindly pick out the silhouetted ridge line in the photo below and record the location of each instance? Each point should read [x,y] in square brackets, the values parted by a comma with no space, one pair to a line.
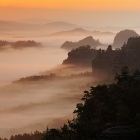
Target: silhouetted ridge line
[84,42]
[111,61]
[106,112]
[80,31]
[19,44]
[81,56]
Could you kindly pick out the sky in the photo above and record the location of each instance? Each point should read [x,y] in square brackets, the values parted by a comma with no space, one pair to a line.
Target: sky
[75,4]
[95,13]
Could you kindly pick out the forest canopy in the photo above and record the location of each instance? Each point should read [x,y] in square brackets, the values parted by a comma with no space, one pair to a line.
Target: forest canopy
[116,104]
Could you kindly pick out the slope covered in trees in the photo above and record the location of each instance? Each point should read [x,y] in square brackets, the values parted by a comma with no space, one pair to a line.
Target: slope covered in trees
[82,56]
[51,76]
[111,61]
[33,136]
[105,106]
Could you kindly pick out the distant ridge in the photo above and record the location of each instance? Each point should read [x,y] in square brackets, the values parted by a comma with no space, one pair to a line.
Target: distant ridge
[60,23]
[17,26]
[48,28]
[86,41]
[60,26]
[19,44]
[80,31]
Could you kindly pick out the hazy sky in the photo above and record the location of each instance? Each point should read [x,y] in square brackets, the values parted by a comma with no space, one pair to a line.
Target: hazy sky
[101,13]
[75,4]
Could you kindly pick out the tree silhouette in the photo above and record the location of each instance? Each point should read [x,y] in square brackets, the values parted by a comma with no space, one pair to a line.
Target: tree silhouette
[115,104]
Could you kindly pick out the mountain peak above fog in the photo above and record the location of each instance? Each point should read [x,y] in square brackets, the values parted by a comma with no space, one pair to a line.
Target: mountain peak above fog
[68,45]
[60,23]
[79,30]
[122,37]
[88,38]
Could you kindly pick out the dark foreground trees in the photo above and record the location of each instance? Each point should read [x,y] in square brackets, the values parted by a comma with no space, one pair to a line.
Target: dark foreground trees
[33,136]
[104,106]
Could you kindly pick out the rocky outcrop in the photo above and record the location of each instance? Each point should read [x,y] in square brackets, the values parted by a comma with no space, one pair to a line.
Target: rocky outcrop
[111,61]
[122,37]
[86,41]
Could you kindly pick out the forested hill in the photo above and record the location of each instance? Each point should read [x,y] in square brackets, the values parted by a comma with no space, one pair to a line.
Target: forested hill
[107,112]
[84,42]
[33,136]
[18,45]
[81,56]
[111,61]
[51,77]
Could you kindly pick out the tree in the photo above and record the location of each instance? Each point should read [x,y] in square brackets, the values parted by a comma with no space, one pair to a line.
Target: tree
[116,104]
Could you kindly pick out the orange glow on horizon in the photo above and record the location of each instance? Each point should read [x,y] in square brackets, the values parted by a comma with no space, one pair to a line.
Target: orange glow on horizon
[75,4]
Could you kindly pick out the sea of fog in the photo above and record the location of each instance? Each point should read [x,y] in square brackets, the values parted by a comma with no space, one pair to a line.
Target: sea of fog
[37,105]
[15,64]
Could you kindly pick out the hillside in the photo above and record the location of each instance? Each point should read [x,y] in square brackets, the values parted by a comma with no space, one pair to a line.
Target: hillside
[81,56]
[111,61]
[105,112]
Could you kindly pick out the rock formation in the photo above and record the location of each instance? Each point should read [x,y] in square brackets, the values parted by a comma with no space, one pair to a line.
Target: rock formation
[82,56]
[111,61]
[86,41]
[122,37]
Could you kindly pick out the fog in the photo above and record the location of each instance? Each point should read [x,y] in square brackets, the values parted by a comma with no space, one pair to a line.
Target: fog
[29,61]
[33,105]
[44,103]
[19,63]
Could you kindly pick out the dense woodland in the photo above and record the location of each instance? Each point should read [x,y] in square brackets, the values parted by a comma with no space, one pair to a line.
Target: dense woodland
[33,136]
[51,76]
[116,104]
[111,61]
[81,56]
